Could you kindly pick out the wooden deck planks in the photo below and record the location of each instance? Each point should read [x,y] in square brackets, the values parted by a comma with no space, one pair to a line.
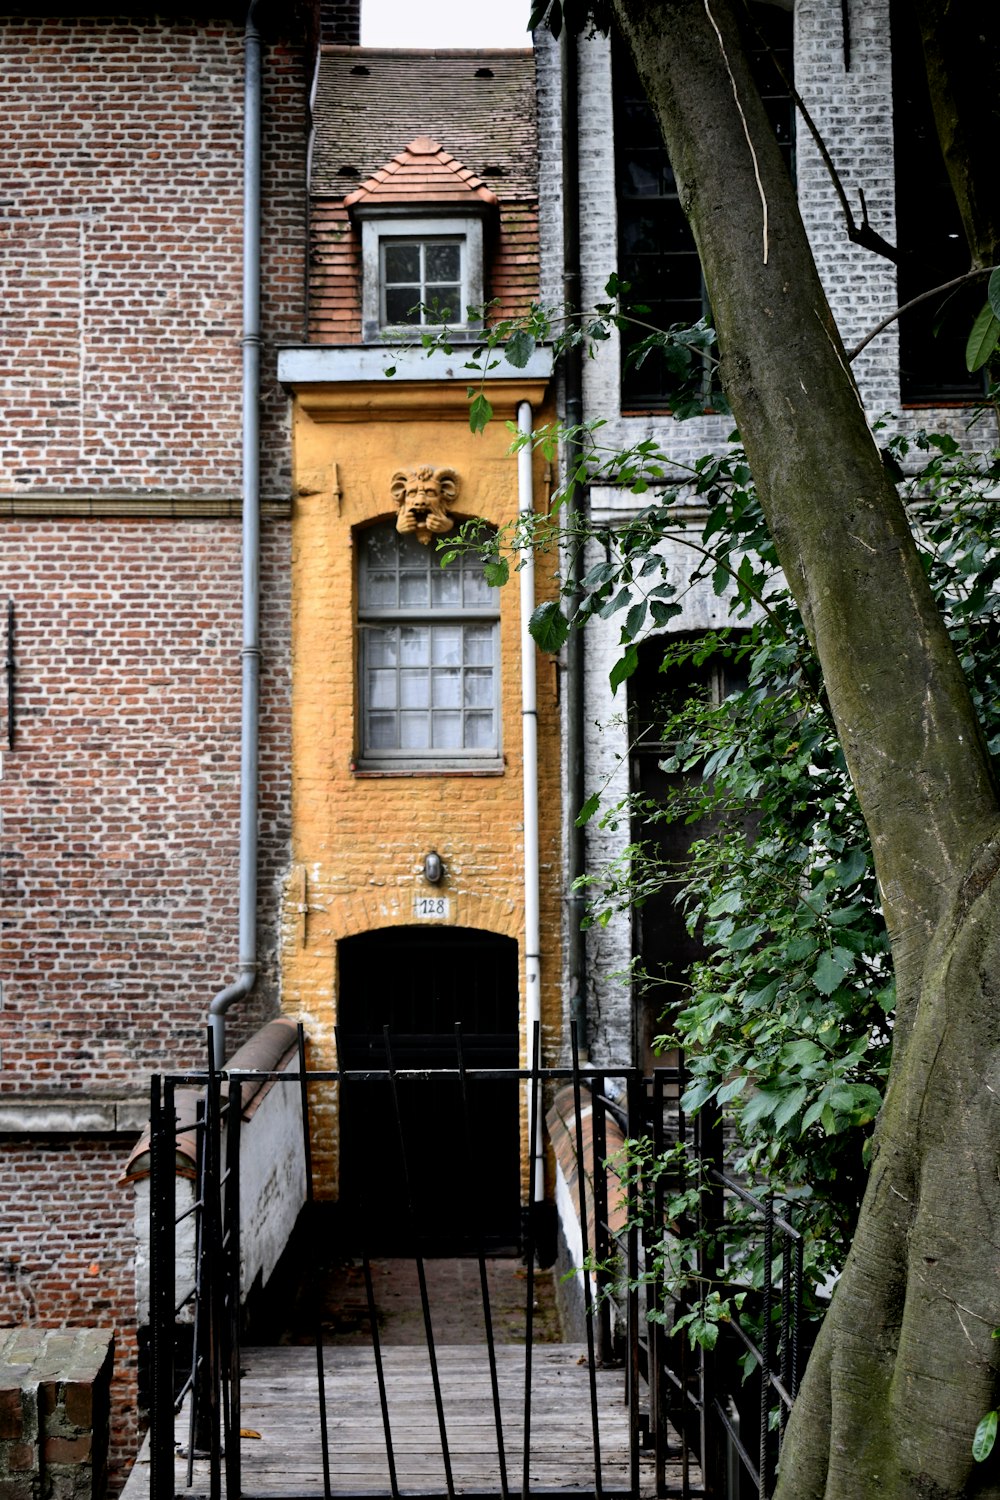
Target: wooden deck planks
[280,1402]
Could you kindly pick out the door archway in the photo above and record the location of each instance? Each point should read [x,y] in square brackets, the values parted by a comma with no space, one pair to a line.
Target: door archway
[463,1168]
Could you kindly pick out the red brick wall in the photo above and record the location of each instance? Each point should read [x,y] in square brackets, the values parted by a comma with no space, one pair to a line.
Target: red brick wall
[120,371]
[120,799]
[121,236]
[69,1260]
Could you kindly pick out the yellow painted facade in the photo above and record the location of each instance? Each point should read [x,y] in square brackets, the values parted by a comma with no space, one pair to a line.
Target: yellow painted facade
[359,837]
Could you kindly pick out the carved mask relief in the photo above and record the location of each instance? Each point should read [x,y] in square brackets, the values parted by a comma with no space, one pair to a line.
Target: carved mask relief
[423,495]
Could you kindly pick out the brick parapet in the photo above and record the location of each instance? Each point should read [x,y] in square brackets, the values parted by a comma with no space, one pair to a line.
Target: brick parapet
[54,1412]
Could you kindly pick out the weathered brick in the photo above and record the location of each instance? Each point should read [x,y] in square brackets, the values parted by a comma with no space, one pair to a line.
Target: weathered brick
[11,1414]
[64,1450]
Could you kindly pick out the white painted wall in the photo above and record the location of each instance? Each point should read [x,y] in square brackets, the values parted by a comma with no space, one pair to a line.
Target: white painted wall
[272,1192]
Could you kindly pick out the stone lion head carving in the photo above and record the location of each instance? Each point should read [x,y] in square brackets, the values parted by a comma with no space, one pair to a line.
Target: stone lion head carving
[423,495]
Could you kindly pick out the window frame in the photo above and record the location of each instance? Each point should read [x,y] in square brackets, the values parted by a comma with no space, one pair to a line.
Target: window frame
[425,760]
[378,230]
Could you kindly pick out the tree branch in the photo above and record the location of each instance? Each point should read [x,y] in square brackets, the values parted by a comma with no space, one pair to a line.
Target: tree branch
[946,286]
[863,235]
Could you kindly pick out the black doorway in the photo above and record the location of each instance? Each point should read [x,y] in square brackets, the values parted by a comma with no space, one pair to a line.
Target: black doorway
[464,1172]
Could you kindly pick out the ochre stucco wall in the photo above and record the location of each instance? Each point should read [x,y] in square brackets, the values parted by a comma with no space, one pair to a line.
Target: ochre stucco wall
[359,838]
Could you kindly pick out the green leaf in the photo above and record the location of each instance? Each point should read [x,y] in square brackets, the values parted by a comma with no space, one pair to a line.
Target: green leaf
[480,412]
[802,1053]
[986,1436]
[496,571]
[548,626]
[624,667]
[993,291]
[829,972]
[983,339]
[588,809]
[663,613]
[790,1106]
[850,870]
[519,348]
[635,619]
[731,1089]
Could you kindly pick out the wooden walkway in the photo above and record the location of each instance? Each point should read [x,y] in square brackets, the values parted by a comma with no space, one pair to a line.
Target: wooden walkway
[281,1453]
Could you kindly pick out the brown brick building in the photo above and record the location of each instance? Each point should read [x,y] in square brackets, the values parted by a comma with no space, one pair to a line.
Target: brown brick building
[120,505]
[390,729]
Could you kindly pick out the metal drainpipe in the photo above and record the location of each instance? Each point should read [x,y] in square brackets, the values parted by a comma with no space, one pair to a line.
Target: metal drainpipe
[250,658]
[576,941]
[529,744]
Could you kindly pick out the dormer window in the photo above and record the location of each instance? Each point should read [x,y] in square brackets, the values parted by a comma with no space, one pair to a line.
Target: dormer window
[421,219]
[420,273]
[421,281]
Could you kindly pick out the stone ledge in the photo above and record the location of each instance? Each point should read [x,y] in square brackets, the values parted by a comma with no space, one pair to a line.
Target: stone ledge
[79,1115]
[54,1412]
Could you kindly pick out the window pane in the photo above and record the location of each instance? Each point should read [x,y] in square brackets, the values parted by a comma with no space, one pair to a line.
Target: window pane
[443,263]
[447,646]
[474,585]
[379,590]
[402,263]
[479,689]
[413,645]
[380,647]
[443,302]
[413,731]
[414,589]
[381,731]
[479,733]
[446,585]
[478,645]
[447,731]
[402,304]
[379,547]
[413,689]
[447,689]
[382,689]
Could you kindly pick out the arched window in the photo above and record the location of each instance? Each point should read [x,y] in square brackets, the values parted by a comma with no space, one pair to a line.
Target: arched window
[428,656]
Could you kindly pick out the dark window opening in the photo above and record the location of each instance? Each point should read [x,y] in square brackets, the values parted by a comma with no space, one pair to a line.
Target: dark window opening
[420,982]
[661,942]
[929,236]
[656,249]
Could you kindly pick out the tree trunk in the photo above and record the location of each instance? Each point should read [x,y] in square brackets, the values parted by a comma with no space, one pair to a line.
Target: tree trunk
[905,1364]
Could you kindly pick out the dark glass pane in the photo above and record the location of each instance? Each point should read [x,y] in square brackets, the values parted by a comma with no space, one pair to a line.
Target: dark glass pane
[402,263]
[443,303]
[929,236]
[402,304]
[443,263]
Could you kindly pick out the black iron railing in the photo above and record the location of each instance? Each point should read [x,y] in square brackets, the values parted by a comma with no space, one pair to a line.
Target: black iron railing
[696,1427]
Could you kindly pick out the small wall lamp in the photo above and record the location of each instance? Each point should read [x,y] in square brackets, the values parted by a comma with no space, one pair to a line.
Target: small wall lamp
[433,868]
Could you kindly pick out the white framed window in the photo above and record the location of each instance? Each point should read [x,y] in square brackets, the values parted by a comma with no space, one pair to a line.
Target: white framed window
[420,272]
[420,282]
[429,683]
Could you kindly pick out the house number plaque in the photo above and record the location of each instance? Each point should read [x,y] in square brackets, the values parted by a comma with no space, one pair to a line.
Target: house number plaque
[432,908]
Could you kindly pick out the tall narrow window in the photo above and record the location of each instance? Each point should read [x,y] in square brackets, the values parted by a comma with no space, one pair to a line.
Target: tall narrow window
[656,249]
[929,236]
[428,656]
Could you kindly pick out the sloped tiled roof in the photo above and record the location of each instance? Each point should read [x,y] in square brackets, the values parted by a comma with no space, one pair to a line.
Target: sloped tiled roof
[423,172]
[479,107]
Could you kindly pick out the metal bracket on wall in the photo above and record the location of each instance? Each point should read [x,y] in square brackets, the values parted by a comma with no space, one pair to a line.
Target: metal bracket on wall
[10,674]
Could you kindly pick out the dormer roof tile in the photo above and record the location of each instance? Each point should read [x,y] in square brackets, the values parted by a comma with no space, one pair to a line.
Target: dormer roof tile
[423,172]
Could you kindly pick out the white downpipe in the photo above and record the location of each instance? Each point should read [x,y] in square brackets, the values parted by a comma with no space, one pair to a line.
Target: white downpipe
[529,743]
